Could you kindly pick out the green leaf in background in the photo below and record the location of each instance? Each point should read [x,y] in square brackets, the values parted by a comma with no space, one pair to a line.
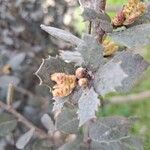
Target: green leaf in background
[7,124]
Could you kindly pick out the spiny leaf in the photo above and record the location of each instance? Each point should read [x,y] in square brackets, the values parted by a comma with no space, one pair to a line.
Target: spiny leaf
[67,122]
[48,123]
[50,66]
[62,34]
[88,104]
[120,73]
[7,124]
[136,36]
[92,52]
[24,139]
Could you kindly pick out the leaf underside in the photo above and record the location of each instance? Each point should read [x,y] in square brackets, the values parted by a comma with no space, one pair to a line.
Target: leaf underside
[88,104]
[119,74]
[62,34]
[111,133]
[136,36]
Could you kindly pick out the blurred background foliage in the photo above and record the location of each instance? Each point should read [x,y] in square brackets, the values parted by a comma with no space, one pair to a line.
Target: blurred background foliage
[20,33]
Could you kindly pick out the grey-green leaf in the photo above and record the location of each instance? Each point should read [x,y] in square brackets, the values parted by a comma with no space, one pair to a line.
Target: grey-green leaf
[92,52]
[67,122]
[62,34]
[109,129]
[24,139]
[111,133]
[7,124]
[136,36]
[88,104]
[50,66]
[120,74]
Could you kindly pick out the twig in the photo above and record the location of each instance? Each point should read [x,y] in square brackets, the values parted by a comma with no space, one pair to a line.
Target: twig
[10,94]
[130,98]
[102,5]
[99,32]
[39,132]
[90,27]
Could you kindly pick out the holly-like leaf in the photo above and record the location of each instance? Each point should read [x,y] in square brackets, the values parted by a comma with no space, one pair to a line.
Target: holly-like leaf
[88,105]
[50,66]
[111,133]
[120,73]
[91,52]
[62,34]
[72,56]
[48,123]
[7,124]
[67,122]
[136,36]
[24,139]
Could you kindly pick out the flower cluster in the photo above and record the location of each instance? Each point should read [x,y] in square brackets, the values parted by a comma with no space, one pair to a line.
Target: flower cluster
[130,13]
[109,47]
[64,84]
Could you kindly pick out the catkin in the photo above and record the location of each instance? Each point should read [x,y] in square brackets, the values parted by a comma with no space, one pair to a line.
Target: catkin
[64,84]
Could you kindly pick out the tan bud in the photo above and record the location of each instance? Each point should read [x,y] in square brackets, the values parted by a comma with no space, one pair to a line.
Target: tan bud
[80,73]
[83,82]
